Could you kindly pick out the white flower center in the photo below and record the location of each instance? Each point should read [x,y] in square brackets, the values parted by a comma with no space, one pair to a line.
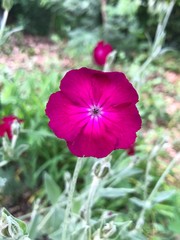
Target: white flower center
[95,111]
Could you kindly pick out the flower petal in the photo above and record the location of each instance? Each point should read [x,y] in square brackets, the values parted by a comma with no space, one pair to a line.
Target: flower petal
[87,86]
[5,127]
[100,137]
[124,122]
[76,85]
[2,129]
[66,119]
[94,140]
[117,89]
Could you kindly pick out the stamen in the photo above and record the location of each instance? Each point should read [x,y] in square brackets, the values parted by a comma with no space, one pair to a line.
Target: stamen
[95,111]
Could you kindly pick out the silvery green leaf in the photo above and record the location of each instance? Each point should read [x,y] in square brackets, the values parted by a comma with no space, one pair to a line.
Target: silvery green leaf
[21,149]
[137,201]
[52,189]
[24,238]
[14,30]
[2,182]
[110,59]
[53,220]
[162,196]
[34,221]
[80,234]
[135,235]
[124,225]
[115,192]
[125,173]
[11,227]
[3,163]
[56,235]
[123,229]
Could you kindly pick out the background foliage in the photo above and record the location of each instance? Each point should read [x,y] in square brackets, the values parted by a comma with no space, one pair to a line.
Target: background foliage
[124,26]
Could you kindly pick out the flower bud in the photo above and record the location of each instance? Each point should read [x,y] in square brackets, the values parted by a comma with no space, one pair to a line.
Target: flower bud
[106,232]
[101,52]
[7,4]
[67,176]
[11,227]
[15,127]
[102,167]
[5,144]
[67,180]
[109,230]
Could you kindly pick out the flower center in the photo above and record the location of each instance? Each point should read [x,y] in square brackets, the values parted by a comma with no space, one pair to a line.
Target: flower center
[95,111]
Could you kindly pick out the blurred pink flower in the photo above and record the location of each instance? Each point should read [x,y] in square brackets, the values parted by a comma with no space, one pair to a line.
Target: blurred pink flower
[101,52]
[94,112]
[5,125]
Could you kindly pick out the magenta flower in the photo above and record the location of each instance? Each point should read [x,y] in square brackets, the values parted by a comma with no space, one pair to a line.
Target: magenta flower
[5,125]
[94,112]
[101,52]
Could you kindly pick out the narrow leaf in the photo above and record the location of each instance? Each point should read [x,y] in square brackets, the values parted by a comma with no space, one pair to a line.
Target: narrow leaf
[137,201]
[162,196]
[115,192]
[52,189]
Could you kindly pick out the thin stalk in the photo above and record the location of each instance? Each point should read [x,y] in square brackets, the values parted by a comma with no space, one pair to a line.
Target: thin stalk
[103,11]
[153,153]
[29,215]
[168,13]
[34,218]
[92,192]
[141,218]
[156,48]
[160,31]
[3,23]
[42,210]
[147,174]
[14,140]
[103,4]
[99,170]
[93,189]
[165,173]
[110,59]
[2,27]
[46,218]
[70,197]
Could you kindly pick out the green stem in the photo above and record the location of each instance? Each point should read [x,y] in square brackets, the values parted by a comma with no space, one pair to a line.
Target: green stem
[92,192]
[153,153]
[140,220]
[70,197]
[110,59]
[157,44]
[104,16]
[13,142]
[3,23]
[165,173]
[147,177]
